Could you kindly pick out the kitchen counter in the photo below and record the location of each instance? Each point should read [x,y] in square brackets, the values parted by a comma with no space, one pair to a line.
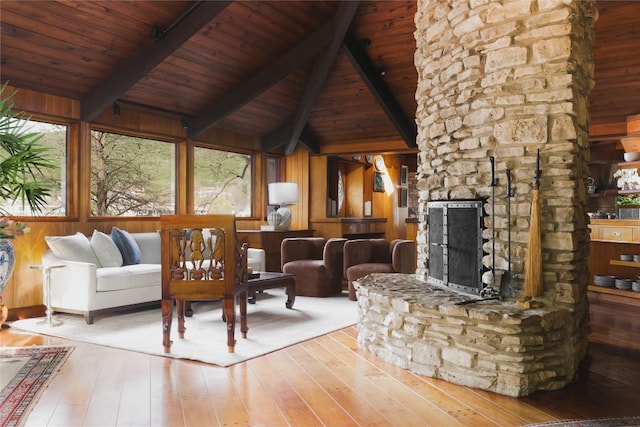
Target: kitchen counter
[615,222]
[611,238]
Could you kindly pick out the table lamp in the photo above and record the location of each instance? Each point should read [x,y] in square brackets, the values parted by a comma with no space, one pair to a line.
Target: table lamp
[282,194]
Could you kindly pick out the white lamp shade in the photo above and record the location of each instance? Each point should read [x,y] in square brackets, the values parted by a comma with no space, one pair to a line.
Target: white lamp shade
[283,193]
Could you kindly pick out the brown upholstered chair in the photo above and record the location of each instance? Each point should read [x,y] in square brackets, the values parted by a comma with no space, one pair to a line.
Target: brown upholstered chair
[365,256]
[316,263]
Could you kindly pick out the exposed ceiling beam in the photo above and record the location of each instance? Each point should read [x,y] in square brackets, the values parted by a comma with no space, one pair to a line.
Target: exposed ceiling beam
[277,138]
[321,70]
[278,70]
[379,89]
[309,141]
[146,59]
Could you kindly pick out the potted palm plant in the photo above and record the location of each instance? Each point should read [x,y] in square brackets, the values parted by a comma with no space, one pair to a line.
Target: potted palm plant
[22,160]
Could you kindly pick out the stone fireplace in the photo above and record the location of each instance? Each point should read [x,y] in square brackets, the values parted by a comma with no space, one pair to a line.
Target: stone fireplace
[497,81]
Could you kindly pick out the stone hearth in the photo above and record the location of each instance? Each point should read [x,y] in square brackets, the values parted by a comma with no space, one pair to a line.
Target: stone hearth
[495,346]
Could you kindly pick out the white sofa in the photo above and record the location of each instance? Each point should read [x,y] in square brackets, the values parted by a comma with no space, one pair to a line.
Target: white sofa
[94,279]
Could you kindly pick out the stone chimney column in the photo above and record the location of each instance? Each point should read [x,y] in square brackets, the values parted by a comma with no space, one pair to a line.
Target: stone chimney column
[506,79]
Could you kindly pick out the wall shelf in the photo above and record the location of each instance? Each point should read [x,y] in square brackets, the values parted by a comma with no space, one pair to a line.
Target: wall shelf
[614,291]
[624,263]
[629,165]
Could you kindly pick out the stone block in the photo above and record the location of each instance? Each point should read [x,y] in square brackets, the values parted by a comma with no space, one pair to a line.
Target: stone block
[483,116]
[550,96]
[458,357]
[522,131]
[562,127]
[427,353]
[426,370]
[513,385]
[545,19]
[493,32]
[499,12]
[494,79]
[471,24]
[469,379]
[505,58]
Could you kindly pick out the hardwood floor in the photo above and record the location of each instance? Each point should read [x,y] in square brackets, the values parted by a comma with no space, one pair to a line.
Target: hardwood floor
[325,381]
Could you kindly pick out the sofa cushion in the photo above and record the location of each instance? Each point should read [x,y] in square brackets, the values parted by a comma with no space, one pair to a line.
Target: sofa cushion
[105,249]
[128,277]
[127,245]
[149,244]
[355,272]
[307,268]
[75,247]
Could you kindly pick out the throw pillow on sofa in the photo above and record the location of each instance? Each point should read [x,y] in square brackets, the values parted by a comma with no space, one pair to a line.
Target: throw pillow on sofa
[127,245]
[106,250]
[75,247]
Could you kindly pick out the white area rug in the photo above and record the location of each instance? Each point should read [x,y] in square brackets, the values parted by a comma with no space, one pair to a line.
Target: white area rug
[271,327]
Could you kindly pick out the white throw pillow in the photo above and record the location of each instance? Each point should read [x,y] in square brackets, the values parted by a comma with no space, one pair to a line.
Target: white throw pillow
[73,248]
[107,252]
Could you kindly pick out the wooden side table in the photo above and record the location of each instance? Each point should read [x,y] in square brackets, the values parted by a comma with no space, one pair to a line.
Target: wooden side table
[46,281]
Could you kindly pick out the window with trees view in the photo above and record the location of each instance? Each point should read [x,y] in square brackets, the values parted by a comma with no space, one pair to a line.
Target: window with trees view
[54,136]
[222,182]
[131,176]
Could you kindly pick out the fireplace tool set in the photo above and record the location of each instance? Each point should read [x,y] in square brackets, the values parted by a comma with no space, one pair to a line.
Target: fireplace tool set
[489,293]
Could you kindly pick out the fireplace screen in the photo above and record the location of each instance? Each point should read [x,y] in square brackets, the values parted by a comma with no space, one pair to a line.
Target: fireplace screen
[455,244]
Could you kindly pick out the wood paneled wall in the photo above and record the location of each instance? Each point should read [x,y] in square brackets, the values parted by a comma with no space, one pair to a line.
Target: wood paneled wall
[24,292]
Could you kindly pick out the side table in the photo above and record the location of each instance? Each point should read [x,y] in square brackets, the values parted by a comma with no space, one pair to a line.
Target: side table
[272,280]
[46,280]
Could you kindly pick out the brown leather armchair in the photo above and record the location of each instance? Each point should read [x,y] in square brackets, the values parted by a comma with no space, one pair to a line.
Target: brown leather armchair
[365,256]
[316,263]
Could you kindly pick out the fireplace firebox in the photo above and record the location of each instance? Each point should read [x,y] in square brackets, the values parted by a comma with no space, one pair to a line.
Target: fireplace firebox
[455,244]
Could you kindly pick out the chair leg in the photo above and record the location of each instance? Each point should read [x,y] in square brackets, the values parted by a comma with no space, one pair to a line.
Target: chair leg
[352,292]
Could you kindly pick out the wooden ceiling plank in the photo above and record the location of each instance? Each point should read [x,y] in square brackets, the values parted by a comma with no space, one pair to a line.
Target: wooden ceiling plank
[370,75]
[344,16]
[260,82]
[148,58]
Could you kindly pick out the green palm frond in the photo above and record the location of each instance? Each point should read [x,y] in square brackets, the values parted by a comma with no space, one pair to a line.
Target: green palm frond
[22,158]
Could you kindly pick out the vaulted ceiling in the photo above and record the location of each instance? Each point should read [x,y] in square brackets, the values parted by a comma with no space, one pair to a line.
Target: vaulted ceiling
[333,76]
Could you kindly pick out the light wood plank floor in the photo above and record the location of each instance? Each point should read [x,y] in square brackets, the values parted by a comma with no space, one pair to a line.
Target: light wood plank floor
[326,381]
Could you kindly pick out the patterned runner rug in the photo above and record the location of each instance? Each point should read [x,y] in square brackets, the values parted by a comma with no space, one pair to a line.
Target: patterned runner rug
[25,373]
[604,422]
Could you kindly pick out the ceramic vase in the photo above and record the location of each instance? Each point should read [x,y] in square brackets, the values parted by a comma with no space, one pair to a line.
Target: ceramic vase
[7,262]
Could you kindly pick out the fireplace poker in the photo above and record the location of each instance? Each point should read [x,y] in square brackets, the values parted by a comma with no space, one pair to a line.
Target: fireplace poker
[494,182]
[471,301]
[509,196]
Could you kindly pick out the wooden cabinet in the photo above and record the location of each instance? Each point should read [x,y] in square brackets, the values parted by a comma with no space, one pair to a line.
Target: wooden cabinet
[351,228]
[609,240]
[270,241]
[411,228]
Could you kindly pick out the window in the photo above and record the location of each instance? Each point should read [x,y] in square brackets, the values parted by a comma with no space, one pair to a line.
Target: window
[273,175]
[131,176]
[55,137]
[222,182]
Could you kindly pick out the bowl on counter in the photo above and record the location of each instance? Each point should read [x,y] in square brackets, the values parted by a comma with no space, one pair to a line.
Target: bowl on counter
[623,284]
[631,156]
[598,215]
[604,281]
